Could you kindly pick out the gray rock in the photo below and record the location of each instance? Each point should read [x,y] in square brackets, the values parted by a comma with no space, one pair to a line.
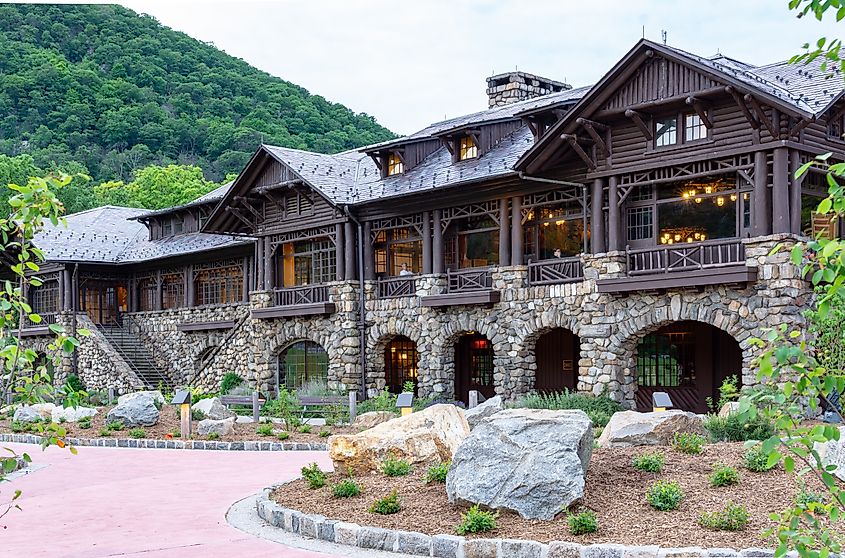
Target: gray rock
[376,538]
[309,525]
[531,461]
[558,549]
[484,410]
[604,551]
[137,411]
[521,549]
[630,428]
[25,413]
[155,394]
[445,546]
[415,544]
[480,548]
[641,551]
[212,408]
[72,414]
[831,453]
[221,427]
[346,533]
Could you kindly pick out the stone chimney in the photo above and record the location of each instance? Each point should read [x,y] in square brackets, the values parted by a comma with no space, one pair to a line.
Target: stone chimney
[510,87]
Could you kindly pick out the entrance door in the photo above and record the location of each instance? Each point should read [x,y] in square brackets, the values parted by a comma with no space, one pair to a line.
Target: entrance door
[557,354]
[473,366]
[104,301]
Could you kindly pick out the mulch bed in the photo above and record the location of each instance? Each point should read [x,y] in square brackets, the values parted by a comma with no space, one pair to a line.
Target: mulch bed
[169,422]
[615,492]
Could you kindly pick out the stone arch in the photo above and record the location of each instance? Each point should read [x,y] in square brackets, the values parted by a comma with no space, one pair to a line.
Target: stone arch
[379,337]
[524,371]
[444,340]
[294,332]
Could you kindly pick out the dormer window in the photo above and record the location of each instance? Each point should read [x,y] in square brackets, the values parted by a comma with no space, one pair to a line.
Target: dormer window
[834,128]
[694,128]
[167,228]
[467,148]
[178,225]
[666,132]
[394,164]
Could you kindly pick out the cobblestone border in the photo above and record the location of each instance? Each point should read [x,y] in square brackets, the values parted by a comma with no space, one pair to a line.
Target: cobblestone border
[171,444]
[451,546]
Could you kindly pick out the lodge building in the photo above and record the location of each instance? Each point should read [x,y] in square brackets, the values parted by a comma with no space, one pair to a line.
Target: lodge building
[613,238]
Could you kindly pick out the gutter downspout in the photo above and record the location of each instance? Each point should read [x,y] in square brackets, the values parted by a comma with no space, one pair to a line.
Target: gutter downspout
[362,300]
[583,187]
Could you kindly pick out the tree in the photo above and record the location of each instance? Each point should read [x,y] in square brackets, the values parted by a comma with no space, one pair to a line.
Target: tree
[156,187]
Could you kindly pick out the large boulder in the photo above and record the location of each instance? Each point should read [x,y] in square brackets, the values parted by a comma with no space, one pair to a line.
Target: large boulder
[428,436]
[212,408]
[44,409]
[154,394]
[368,420]
[833,453]
[531,461]
[219,427]
[630,428]
[729,408]
[137,411]
[26,413]
[484,410]
[71,414]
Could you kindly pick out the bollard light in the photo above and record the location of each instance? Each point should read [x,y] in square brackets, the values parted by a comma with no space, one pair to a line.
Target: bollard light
[405,403]
[183,399]
[660,401]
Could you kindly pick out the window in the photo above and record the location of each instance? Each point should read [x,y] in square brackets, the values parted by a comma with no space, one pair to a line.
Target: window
[202,218]
[397,247]
[400,364]
[467,148]
[694,128]
[220,285]
[178,225]
[44,299]
[554,227]
[472,242]
[394,164]
[166,228]
[308,262]
[172,291]
[834,127]
[666,132]
[640,223]
[304,362]
[666,359]
[147,293]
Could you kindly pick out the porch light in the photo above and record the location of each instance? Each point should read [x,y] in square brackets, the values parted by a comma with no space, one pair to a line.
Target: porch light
[697,200]
[733,197]
[405,403]
[720,201]
[183,399]
[660,401]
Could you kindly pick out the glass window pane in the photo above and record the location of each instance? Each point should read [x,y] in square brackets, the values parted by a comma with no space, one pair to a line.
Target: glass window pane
[666,132]
[697,219]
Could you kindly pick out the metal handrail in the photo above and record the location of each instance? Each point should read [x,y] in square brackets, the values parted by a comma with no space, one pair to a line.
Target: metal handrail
[468,280]
[691,256]
[558,270]
[308,294]
[395,287]
[133,354]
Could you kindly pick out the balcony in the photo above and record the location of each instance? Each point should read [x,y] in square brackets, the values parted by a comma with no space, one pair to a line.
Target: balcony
[714,262]
[31,329]
[465,287]
[556,271]
[307,300]
[396,287]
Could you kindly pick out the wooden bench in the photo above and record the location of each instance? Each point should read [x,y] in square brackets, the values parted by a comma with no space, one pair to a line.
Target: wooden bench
[322,401]
[255,400]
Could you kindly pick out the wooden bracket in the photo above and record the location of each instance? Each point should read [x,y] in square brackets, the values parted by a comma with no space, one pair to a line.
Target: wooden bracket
[700,110]
[246,203]
[743,107]
[800,125]
[591,126]
[638,120]
[401,154]
[535,131]
[573,142]
[275,202]
[240,216]
[448,143]
[761,116]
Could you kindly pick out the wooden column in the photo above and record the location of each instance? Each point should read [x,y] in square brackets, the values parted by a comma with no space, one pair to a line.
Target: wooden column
[780,191]
[794,192]
[426,242]
[67,289]
[157,304]
[760,203]
[339,252]
[267,262]
[504,230]
[245,297]
[258,258]
[516,231]
[437,239]
[369,257]
[597,216]
[351,273]
[189,286]
[614,216]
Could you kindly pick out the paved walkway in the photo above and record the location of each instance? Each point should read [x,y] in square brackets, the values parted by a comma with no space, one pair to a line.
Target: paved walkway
[142,502]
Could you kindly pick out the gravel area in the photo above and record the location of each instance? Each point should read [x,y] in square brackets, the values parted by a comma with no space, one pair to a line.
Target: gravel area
[169,423]
[615,492]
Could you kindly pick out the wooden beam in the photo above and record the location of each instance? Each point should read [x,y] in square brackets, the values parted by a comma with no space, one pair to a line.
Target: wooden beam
[698,107]
[597,125]
[573,142]
[245,202]
[275,202]
[448,143]
[240,216]
[589,126]
[638,120]
[743,107]
[401,154]
[800,125]
[533,127]
[278,186]
[376,157]
[656,104]
[761,116]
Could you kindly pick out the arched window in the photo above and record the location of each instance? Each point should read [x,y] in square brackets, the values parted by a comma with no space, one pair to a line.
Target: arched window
[400,364]
[304,362]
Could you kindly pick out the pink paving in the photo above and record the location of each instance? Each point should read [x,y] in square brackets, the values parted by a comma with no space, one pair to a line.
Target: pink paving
[151,503]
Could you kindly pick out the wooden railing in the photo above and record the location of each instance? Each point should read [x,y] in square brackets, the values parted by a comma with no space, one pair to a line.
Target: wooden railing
[395,287]
[468,280]
[685,257]
[559,270]
[309,294]
[47,319]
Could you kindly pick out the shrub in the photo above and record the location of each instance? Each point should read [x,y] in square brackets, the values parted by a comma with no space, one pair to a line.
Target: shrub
[264,429]
[732,518]
[476,520]
[409,387]
[115,425]
[213,436]
[384,401]
[104,433]
[437,473]
[196,414]
[757,460]
[314,476]
[305,429]
[393,467]
[688,442]
[651,462]
[84,423]
[324,433]
[230,380]
[805,498]
[583,523]
[137,433]
[18,426]
[664,495]
[732,428]
[176,433]
[336,414]
[74,383]
[286,407]
[346,488]
[723,475]
[283,435]
[387,505]
[599,409]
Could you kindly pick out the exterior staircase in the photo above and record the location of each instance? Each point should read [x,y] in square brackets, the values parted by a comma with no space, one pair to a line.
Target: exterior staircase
[130,347]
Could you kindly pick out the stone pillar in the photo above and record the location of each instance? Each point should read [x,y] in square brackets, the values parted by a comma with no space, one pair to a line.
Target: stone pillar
[516,231]
[437,237]
[504,228]
[761,224]
[369,256]
[339,252]
[597,216]
[426,243]
[350,273]
[614,216]
[795,185]
[780,191]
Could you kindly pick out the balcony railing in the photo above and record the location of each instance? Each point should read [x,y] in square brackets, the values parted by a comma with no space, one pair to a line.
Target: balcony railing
[559,270]
[309,294]
[47,319]
[672,258]
[395,287]
[468,280]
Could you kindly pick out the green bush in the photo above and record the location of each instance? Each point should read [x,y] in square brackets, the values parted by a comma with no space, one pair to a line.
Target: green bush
[688,442]
[84,423]
[305,429]
[230,380]
[137,433]
[409,387]
[213,436]
[664,495]
[264,429]
[18,426]
[733,429]
[74,383]
[283,435]
[324,433]
[104,433]
[196,415]
[599,409]
[806,499]
[115,425]
[651,462]
[393,467]
[384,401]
[732,518]
[336,414]
[286,407]
[347,488]
[476,520]
[176,433]
[757,460]
[582,523]
[723,475]
[314,476]
[388,505]
[437,473]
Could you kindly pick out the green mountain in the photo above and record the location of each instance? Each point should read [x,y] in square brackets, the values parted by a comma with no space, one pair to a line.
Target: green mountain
[116,91]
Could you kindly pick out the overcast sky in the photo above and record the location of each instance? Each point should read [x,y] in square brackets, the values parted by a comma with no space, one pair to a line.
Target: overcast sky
[410,63]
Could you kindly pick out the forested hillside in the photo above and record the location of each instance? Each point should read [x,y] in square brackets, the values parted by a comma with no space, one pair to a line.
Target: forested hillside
[105,91]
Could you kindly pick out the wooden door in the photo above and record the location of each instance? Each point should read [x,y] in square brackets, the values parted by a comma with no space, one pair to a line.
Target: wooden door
[473,367]
[556,354]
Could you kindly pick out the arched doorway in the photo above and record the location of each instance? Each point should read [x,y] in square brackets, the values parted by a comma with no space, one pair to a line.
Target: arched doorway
[304,363]
[689,361]
[557,352]
[400,364]
[473,366]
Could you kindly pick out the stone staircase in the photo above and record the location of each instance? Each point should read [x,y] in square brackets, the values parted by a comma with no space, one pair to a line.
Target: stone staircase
[137,356]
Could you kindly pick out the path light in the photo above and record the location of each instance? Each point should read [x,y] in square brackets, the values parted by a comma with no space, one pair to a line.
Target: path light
[183,399]
[660,401]
[405,403]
